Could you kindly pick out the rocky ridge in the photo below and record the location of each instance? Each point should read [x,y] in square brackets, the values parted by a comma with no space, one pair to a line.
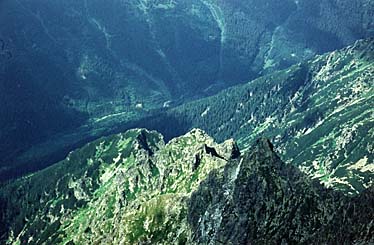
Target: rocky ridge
[134,188]
[129,187]
[258,199]
[318,114]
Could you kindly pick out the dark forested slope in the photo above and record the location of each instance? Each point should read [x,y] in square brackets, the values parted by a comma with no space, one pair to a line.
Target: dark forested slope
[319,115]
[64,64]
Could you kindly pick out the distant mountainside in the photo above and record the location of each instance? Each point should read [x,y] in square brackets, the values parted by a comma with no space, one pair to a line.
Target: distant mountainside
[68,65]
[319,114]
[132,188]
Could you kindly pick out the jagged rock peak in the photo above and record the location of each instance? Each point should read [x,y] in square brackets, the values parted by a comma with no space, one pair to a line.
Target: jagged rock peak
[147,140]
[198,134]
[262,155]
[269,202]
[226,150]
[264,144]
[114,191]
[230,149]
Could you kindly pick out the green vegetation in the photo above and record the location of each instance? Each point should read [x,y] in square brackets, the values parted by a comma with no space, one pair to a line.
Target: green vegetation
[319,110]
[128,185]
[134,188]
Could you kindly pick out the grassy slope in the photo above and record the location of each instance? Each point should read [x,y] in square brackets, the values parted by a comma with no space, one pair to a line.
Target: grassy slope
[130,187]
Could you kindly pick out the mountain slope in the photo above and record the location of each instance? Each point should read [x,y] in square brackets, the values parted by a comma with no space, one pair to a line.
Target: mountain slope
[96,193]
[94,60]
[260,200]
[319,114]
[132,188]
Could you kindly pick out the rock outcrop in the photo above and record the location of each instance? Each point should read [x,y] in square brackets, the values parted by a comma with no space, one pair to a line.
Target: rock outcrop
[318,114]
[261,200]
[132,188]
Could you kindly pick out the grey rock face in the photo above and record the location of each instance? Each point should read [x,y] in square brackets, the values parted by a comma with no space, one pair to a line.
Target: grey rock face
[268,202]
[132,188]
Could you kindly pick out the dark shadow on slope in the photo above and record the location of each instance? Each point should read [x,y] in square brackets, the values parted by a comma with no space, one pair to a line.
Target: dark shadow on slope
[168,125]
[270,202]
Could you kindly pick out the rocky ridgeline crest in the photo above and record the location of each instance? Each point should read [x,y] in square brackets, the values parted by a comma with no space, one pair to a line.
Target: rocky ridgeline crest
[258,199]
[133,188]
[318,115]
[116,184]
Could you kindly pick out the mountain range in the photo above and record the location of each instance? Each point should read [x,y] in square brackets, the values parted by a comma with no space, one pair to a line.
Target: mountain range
[135,188]
[319,114]
[80,67]
[187,122]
